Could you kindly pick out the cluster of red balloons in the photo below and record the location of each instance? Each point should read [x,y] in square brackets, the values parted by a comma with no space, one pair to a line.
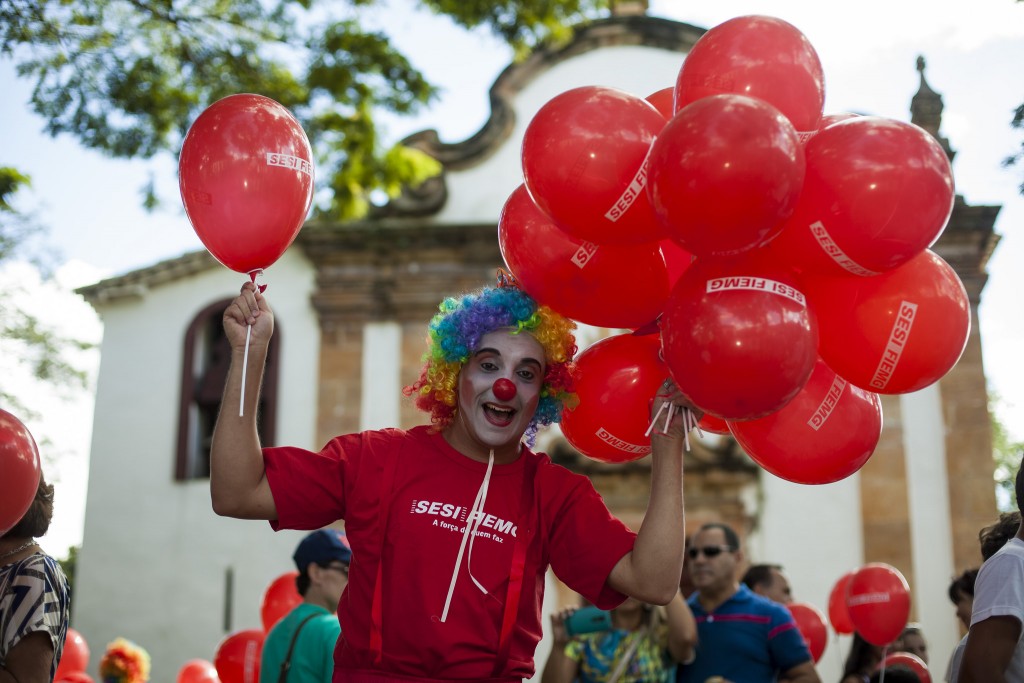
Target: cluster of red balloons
[783,253]
[246,179]
[237,658]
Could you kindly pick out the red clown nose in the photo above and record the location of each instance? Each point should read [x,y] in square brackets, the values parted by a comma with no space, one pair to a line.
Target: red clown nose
[504,389]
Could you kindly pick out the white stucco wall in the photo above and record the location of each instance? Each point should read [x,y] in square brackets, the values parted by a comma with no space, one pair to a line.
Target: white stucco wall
[154,556]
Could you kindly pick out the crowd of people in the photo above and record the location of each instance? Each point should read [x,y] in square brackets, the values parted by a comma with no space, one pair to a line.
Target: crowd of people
[451,528]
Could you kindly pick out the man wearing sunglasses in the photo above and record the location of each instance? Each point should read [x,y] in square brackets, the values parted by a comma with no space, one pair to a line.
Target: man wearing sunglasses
[741,637]
[300,647]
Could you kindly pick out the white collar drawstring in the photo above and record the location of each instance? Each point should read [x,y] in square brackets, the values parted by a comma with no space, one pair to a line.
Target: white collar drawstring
[472,524]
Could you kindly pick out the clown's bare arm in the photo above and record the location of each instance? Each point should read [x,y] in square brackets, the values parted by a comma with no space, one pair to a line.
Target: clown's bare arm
[650,572]
[238,482]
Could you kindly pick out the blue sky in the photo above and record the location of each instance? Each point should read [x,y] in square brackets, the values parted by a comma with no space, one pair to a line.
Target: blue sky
[91,204]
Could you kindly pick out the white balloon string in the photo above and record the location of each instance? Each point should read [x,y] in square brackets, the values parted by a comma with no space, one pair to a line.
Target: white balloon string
[654,420]
[245,366]
[668,418]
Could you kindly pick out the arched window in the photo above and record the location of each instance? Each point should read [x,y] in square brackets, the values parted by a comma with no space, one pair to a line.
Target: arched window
[207,356]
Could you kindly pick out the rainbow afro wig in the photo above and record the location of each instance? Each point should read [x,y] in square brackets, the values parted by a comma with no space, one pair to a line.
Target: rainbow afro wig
[124,662]
[455,332]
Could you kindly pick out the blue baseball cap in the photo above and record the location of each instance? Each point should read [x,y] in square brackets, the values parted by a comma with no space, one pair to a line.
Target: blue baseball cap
[321,547]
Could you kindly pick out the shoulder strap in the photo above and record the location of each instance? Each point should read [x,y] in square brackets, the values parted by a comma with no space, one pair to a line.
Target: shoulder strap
[287,663]
[620,667]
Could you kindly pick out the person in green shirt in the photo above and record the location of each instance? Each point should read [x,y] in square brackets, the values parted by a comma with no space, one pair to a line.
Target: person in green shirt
[322,559]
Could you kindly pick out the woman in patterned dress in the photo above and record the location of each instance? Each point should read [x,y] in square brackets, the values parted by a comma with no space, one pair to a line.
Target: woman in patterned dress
[34,598]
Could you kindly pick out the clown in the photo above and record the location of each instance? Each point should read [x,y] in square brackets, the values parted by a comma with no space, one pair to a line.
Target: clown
[453,525]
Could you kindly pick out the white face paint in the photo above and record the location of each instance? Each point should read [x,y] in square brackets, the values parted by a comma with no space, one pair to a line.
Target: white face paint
[483,421]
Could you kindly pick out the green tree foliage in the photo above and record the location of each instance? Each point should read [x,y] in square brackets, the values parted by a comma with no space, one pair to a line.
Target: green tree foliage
[1018,123]
[24,338]
[1007,453]
[127,77]
[68,565]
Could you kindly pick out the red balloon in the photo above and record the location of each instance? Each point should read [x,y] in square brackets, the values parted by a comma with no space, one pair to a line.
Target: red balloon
[878,600]
[585,163]
[909,661]
[738,337]
[75,658]
[877,193]
[715,425]
[615,378]
[238,657]
[19,461]
[826,433]
[896,332]
[725,174]
[838,615]
[279,598]
[246,179]
[761,57]
[622,286]
[811,624]
[664,101]
[74,677]
[198,671]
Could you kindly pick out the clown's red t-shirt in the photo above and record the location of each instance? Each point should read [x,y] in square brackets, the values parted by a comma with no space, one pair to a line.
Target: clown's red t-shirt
[416,524]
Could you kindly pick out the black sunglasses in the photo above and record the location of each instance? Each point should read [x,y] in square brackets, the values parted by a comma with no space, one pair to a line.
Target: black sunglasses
[343,568]
[709,551]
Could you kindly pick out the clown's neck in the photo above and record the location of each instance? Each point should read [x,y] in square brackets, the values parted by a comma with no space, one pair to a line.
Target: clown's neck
[478,451]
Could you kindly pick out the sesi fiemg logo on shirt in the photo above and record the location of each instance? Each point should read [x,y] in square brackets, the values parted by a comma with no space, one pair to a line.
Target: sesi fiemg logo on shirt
[438,509]
[455,518]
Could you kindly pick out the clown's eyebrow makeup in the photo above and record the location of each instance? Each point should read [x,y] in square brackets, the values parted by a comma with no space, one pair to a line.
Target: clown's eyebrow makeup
[487,349]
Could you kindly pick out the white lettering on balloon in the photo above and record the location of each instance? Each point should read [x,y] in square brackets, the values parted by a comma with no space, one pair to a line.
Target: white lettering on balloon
[616,442]
[867,599]
[632,191]
[756,284]
[832,250]
[289,161]
[827,404]
[898,337]
[584,254]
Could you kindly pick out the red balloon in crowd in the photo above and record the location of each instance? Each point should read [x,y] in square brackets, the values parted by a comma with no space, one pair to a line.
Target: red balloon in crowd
[877,193]
[896,332]
[811,624]
[279,598]
[584,159]
[738,337]
[838,614]
[758,56]
[198,671]
[725,174]
[623,286]
[19,462]
[908,661]
[238,657]
[75,658]
[615,379]
[826,433]
[878,600]
[246,179]
[664,101]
